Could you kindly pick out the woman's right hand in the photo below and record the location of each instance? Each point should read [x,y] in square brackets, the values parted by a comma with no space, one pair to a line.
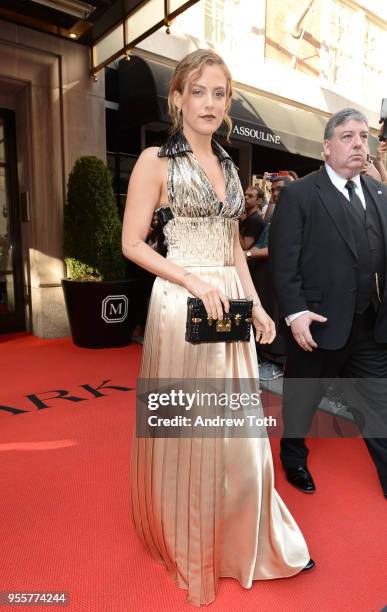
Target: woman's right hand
[212,297]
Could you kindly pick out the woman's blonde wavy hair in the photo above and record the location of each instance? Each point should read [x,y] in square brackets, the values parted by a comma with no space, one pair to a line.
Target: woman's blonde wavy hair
[195,62]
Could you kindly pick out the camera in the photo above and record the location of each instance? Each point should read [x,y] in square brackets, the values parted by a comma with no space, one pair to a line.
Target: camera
[383,119]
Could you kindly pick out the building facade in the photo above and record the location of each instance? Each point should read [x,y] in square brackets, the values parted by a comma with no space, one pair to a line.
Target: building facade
[293,65]
[316,54]
[51,112]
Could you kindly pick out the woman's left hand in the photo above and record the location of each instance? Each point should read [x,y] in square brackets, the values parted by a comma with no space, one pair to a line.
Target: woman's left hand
[265,328]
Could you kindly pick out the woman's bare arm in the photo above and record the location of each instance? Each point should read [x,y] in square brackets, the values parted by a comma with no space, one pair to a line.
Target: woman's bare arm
[146,186]
[147,190]
[244,273]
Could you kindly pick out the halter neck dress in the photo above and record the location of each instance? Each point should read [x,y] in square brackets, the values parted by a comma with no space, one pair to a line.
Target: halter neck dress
[206,507]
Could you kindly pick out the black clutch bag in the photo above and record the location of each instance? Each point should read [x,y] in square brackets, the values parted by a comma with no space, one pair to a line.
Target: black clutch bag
[234,327]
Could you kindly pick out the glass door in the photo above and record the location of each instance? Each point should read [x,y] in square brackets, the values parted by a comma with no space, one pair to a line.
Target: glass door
[12,308]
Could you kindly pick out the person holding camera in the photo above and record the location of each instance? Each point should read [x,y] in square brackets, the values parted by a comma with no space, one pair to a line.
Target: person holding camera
[381,152]
[378,169]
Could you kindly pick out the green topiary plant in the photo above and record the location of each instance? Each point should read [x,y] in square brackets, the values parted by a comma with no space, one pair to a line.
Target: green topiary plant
[92,227]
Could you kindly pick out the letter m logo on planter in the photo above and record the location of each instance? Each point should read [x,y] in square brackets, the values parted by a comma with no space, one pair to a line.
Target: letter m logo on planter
[115,308]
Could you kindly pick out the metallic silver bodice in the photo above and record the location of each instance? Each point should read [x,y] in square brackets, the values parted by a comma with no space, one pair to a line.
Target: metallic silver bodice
[201,241]
[203,230]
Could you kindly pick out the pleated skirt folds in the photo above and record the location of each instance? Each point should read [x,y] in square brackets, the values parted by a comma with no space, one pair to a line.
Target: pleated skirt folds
[207,507]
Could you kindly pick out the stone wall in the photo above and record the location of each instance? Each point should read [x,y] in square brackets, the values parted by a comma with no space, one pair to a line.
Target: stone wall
[60,115]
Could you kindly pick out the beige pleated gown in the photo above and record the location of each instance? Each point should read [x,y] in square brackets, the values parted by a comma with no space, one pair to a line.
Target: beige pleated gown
[206,507]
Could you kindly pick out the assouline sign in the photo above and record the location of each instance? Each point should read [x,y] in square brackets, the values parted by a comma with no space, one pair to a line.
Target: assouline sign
[256,135]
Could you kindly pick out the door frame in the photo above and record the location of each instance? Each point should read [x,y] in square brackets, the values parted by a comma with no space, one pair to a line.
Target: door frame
[16,320]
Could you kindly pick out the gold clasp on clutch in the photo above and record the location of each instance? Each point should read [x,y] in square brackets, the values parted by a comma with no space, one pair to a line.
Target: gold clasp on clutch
[224,325]
[237,319]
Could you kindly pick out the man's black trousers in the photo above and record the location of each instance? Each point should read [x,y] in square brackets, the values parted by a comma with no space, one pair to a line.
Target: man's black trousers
[361,359]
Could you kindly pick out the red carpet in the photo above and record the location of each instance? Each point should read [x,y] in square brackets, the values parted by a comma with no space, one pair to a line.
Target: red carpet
[64,497]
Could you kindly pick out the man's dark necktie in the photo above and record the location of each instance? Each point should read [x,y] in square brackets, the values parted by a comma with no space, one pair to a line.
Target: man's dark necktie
[354,199]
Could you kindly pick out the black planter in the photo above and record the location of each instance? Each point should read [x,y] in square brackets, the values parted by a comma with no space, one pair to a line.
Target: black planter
[101,314]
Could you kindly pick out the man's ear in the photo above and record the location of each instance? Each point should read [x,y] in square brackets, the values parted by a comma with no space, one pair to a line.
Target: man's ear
[327,148]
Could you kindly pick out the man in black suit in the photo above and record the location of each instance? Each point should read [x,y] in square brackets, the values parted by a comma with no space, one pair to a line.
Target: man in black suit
[327,249]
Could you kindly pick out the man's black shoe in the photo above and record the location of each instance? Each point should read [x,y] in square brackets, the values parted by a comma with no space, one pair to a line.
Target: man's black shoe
[310,565]
[300,478]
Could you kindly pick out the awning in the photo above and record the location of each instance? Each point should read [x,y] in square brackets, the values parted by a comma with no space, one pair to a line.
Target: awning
[143,91]
[144,87]
[276,125]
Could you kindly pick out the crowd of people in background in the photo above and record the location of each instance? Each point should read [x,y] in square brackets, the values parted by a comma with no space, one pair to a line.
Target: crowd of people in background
[260,204]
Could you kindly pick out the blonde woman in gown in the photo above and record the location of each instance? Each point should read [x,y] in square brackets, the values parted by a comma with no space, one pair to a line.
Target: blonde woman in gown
[205,507]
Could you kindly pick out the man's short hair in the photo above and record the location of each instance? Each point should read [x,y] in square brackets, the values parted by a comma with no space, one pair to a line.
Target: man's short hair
[347,114]
[282,177]
[259,193]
